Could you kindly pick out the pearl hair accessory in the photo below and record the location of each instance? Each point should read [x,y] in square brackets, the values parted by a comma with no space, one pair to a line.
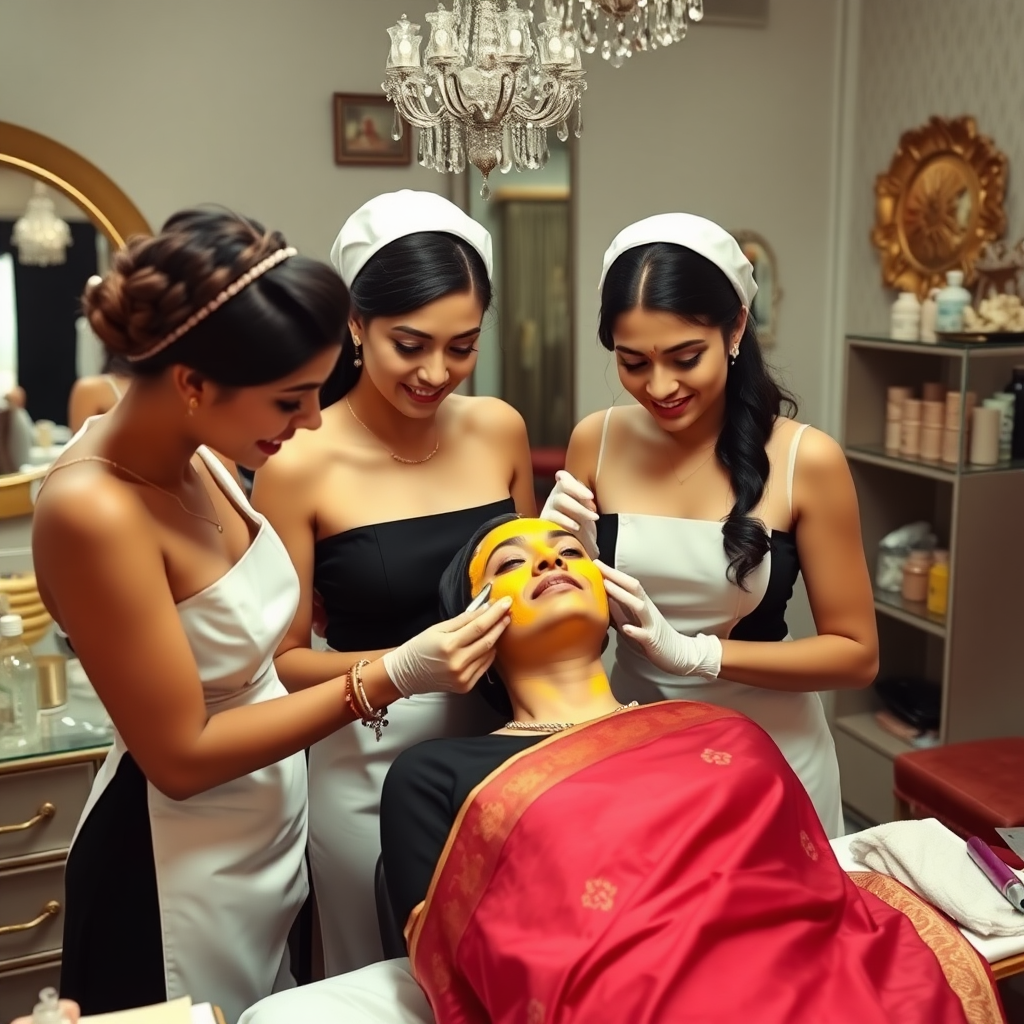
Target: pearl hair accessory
[215,303]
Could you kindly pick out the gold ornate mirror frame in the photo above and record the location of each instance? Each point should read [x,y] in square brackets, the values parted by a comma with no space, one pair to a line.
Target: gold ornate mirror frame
[939,204]
[109,209]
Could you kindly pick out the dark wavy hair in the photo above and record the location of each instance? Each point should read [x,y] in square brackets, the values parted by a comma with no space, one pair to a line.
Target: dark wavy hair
[407,275]
[673,279]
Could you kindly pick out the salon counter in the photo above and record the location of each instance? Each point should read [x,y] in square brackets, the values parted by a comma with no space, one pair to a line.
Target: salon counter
[43,789]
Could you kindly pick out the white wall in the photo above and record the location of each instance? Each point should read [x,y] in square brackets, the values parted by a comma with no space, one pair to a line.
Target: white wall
[733,124]
[230,101]
[919,58]
[190,101]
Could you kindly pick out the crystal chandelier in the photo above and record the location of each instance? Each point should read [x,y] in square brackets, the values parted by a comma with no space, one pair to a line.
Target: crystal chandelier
[486,89]
[490,84]
[619,27]
[40,236]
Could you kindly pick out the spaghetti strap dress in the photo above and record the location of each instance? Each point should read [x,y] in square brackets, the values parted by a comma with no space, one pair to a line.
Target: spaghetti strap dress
[682,565]
[167,898]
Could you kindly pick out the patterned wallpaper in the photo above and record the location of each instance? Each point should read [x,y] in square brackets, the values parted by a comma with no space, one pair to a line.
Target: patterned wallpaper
[919,58]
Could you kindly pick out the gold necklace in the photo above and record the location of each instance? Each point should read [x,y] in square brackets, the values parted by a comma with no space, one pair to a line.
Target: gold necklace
[397,458]
[694,471]
[559,726]
[149,483]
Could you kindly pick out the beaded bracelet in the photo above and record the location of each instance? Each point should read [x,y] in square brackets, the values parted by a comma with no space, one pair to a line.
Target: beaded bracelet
[375,720]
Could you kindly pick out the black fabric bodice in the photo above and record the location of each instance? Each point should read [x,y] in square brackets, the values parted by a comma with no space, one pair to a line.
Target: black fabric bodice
[379,583]
[768,620]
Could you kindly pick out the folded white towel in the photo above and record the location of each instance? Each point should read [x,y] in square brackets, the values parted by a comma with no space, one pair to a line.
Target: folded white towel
[926,857]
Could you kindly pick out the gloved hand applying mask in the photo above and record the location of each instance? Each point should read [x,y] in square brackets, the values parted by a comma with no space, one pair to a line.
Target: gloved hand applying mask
[451,656]
[636,617]
[572,506]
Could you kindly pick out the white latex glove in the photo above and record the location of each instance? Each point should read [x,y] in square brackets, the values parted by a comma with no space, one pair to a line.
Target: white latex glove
[637,618]
[572,506]
[451,656]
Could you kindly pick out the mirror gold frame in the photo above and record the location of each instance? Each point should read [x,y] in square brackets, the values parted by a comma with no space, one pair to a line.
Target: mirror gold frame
[109,209]
[939,204]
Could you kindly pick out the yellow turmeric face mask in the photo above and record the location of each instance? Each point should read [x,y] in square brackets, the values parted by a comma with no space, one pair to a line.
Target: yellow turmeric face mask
[543,569]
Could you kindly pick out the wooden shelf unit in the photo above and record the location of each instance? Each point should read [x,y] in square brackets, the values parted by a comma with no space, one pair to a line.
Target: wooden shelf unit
[974,652]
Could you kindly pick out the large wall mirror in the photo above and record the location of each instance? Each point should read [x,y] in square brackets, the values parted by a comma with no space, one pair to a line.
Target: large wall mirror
[44,343]
[527,350]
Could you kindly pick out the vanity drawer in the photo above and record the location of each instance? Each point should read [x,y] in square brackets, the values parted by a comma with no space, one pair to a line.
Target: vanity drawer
[39,809]
[19,990]
[31,903]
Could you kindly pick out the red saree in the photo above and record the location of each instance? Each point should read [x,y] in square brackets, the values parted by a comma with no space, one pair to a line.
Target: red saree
[665,866]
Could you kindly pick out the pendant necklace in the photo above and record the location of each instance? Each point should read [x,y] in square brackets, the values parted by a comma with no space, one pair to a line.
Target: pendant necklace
[693,472]
[397,458]
[559,726]
[156,487]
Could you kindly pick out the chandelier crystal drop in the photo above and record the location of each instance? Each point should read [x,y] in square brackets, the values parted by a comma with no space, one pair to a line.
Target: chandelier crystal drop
[39,235]
[619,28]
[489,85]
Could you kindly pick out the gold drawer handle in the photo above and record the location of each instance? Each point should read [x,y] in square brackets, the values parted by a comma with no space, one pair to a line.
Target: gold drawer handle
[50,910]
[47,810]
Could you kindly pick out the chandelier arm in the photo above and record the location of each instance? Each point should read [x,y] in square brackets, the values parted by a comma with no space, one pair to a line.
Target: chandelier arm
[506,101]
[451,96]
[546,114]
[407,96]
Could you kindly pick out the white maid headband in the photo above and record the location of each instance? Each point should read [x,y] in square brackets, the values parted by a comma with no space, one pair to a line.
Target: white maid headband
[386,218]
[697,233]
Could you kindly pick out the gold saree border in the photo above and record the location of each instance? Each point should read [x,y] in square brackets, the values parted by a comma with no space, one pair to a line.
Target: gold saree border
[966,972]
[495,806]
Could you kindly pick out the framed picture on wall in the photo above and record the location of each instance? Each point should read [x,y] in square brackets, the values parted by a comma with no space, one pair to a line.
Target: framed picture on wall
[362,132]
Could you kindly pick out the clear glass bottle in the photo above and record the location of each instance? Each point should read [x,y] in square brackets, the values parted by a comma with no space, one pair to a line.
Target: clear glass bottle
[19,689]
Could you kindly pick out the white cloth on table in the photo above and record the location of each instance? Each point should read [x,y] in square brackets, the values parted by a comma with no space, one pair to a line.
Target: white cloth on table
[992,948]
[383,993]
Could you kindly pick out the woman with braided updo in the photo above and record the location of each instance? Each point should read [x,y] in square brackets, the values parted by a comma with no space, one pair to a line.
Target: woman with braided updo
[187,868]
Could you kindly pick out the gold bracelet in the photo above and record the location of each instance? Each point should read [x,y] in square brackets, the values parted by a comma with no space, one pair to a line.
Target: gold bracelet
[375,720]
[350,698]
[356,697]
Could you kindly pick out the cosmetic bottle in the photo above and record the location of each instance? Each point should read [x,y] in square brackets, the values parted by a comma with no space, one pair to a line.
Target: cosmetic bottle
[951,302]
[915,576]
[938,583]
[1016,388]
[905,318]
[929,313]
[19,689]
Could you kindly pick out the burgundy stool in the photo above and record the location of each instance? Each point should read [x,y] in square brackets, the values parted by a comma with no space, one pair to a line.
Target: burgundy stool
[972,788]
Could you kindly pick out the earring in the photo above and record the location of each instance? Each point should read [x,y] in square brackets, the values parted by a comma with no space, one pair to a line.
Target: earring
[357,361]
[193,404]
[733,355]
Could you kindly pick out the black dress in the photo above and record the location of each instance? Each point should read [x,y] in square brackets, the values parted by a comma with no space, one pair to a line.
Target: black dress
[423,793]
[379,586]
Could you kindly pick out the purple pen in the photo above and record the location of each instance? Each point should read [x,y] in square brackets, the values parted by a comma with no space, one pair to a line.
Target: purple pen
[997,872]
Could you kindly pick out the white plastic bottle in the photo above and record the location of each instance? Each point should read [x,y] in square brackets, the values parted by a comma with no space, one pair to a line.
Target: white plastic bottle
[951,302]
[905,318]
[19,689]
[929,313]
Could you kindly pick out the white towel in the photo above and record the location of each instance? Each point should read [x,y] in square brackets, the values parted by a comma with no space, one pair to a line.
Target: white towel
[926,857]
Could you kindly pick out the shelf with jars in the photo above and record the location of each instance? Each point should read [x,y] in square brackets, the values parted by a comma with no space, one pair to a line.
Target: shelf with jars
[948,613]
